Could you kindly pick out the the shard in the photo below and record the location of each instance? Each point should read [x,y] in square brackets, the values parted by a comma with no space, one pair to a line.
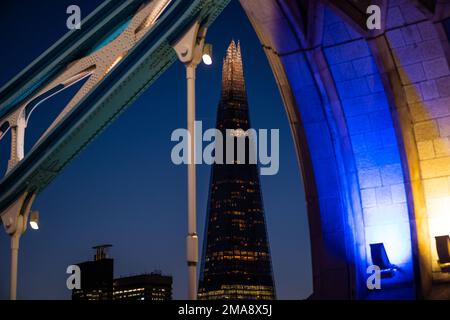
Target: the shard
[236,261]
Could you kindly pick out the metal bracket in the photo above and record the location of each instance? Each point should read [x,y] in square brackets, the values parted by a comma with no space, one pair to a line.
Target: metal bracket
[189,47]
[15,217]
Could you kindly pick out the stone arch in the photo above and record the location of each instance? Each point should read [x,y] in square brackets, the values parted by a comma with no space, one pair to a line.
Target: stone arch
[340,113]
[323,192]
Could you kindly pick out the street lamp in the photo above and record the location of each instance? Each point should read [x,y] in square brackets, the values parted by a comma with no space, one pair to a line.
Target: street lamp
[34,220]
[191,49]
[207,54]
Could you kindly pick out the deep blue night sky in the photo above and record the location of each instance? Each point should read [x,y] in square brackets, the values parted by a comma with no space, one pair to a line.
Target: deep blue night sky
[124,188]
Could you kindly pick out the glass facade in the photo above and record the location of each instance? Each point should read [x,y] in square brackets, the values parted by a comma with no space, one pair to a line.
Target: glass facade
[236,262]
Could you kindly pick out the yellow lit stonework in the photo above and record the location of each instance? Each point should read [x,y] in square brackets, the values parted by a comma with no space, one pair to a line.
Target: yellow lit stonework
[435,168]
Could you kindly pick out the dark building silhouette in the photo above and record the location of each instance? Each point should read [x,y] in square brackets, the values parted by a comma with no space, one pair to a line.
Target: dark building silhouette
[98,283]
[236,262]
[153,286]
[96,277]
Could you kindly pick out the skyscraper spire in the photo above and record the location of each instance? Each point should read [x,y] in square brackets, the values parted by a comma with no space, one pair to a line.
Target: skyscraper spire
[233,84]
[236,260]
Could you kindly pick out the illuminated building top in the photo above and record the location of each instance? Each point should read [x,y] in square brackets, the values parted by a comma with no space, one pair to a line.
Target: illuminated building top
[236,257]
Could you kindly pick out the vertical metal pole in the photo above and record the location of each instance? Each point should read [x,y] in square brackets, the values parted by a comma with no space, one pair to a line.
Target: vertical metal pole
[14,263]
[192,239]
[15,226]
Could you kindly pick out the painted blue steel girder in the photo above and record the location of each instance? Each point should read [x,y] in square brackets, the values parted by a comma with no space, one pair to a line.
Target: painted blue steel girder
[139,68]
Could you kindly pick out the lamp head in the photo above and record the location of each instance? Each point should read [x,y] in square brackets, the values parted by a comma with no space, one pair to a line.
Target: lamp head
[34,220]
[207,54]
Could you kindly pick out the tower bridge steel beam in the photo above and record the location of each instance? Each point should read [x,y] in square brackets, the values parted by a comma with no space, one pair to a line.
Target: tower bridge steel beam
[138,69]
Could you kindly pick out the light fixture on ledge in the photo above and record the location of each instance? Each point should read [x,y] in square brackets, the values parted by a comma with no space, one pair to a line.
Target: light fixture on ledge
[443,251]
[381,259]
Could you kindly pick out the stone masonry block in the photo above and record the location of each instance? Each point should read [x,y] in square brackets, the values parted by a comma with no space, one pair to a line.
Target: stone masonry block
[411,13]
[411,34]
[436,68]
[412,73]
[343,71]
[429,90]
[388,138]
[413,93]
[354,50]
[407,55]
[365,66]
[384,195]
[431,49]
[369,178]
[427,30]
[394,18]
[386,214]
[436,188]
[398,193]
[444,126]
[368,198]
[359,143]
[419,112]
[391,174]
[435,168]
[426,150]
[373,141]
[443,85]
[381,120]
[442,147]
[395,38]
[358,124]
[374,83]
[427,130]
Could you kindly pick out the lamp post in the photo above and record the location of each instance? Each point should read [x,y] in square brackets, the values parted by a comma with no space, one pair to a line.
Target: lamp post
[191,49]
[14,220]
[15,239]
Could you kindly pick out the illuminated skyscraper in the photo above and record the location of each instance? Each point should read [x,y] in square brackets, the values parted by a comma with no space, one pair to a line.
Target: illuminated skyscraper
[236,261]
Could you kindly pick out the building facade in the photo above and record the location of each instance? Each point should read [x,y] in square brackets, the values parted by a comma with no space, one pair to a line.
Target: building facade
[96,277]
[236,262]
[98,283]
[153,287]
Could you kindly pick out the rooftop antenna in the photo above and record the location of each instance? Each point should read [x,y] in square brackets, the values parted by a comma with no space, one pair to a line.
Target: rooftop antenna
[101,251]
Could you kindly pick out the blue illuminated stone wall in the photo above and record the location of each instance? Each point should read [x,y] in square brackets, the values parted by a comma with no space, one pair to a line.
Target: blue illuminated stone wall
[374,143]
[373,108]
